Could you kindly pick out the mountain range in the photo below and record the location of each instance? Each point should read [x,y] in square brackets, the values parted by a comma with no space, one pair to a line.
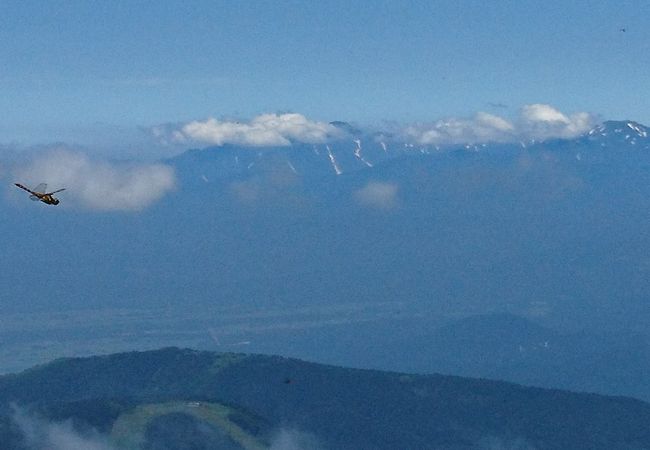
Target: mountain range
[528,259]
[359,151]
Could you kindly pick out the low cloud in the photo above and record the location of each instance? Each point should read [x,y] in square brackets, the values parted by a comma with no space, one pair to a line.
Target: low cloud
[40,434]
[96,184]
[536,121]
[263,130]
[379,195]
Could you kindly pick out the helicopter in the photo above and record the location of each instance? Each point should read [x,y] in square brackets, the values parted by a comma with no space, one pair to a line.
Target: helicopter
[39,194]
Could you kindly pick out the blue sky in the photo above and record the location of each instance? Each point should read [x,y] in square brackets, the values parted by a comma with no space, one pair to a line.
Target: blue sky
[83,70]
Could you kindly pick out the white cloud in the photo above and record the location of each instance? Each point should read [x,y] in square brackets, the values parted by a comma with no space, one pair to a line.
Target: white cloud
[96,184]
[491,122]
[41,434]
[536,121]
[378,195]
[540,121]
[483,127]
[543,113]
[263,130]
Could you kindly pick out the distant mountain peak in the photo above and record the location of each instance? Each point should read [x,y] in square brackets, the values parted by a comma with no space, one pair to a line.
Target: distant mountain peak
[620,134]
[624,127]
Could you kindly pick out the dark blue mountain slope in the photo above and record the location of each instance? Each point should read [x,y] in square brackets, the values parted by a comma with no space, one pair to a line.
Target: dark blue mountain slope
[342,408]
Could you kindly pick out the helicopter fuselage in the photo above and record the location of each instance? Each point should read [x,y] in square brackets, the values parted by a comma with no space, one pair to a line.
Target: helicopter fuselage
[45,197]
[49,199]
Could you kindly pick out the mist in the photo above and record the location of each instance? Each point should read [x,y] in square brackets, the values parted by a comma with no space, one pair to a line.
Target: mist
[42,434]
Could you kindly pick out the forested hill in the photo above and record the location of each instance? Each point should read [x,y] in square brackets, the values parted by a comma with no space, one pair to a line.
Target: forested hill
[338,408]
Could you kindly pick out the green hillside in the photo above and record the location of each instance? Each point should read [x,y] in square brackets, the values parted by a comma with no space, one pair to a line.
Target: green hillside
[135,398]
[215,423]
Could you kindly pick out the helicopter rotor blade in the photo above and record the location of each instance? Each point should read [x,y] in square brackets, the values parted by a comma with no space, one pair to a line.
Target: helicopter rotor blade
[25,189]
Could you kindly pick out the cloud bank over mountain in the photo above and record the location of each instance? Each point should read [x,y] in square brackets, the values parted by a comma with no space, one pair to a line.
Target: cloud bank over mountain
[483,127]
[545,122]
[533,122]
[98,185]
[262,131]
